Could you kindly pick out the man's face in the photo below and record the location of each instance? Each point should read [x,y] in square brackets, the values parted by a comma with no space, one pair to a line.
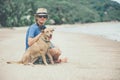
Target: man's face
[41,19]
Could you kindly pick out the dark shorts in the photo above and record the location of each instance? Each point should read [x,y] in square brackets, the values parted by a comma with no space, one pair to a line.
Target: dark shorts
[40,60]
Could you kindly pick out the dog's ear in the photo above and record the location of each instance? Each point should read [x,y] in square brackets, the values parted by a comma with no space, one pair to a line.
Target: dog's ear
[53,30]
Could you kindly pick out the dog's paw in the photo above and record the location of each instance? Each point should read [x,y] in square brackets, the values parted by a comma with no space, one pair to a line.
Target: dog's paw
[52,62]
[46,64]
[31,64]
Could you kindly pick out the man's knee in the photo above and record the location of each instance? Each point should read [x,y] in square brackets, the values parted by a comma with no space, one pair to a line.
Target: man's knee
[55,51]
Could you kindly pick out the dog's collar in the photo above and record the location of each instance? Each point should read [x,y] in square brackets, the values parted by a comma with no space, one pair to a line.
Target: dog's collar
[45,40]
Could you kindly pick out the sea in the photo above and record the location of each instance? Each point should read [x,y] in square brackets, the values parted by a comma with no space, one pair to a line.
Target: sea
[107,30]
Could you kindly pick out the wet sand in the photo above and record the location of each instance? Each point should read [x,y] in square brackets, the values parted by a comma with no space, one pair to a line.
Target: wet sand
[89,57]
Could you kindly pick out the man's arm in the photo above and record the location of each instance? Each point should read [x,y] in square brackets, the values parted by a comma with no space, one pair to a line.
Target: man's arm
[31,41]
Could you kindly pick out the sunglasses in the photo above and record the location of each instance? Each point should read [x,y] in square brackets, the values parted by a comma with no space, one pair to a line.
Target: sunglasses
[42,16]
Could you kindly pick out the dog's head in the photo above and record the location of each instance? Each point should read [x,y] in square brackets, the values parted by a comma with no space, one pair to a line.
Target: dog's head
[47,33]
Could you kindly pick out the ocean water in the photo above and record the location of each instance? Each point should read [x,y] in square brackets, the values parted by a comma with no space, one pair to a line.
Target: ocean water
[106,30]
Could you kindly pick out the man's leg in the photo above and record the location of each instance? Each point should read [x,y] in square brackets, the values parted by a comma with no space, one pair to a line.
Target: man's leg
[55,52]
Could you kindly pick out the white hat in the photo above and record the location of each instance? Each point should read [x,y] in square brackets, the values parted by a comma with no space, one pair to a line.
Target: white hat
[41,11]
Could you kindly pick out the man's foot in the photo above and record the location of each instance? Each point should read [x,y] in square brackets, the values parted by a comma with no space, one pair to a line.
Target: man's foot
[64,60]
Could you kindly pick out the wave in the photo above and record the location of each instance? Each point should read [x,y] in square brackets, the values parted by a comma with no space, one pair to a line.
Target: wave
[109,31]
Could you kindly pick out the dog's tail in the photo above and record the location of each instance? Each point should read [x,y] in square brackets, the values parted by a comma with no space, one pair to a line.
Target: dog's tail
[14,62]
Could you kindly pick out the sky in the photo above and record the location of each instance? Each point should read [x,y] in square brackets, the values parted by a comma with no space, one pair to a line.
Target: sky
[117,1]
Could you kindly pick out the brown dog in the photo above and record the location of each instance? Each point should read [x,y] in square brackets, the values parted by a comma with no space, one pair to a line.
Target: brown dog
[39,48]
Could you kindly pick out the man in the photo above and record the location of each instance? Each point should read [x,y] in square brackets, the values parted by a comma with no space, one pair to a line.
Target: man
[34,31]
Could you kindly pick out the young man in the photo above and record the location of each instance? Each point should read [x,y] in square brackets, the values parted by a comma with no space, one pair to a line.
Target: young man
[34,31]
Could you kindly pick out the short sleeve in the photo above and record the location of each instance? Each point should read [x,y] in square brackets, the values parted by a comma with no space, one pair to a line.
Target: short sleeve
[31,32]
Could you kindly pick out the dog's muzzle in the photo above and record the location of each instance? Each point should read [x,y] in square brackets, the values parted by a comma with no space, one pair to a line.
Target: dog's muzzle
[50,36]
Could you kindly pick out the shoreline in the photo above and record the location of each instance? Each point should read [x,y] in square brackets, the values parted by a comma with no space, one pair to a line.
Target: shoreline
[108,30]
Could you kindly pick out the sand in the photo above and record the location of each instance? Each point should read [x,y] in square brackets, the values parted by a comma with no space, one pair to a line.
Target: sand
[89,57]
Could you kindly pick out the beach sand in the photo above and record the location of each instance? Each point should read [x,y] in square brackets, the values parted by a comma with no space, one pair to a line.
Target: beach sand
[89,57]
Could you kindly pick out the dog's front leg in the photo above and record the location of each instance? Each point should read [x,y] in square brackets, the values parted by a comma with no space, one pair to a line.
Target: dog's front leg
[50,57]
[33,60]
[44,59]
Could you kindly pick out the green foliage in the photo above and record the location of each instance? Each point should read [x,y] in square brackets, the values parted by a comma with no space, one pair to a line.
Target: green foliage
[21,12]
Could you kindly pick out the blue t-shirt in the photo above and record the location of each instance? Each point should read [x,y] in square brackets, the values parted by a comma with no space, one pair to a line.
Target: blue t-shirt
[33,31]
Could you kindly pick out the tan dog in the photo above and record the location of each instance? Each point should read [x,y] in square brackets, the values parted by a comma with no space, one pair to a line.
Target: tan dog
[39,48]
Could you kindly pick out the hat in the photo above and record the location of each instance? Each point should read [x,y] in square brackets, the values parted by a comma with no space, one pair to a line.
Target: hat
[41,11]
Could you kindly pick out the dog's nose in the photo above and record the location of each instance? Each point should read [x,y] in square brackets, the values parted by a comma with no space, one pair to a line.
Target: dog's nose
[50,35]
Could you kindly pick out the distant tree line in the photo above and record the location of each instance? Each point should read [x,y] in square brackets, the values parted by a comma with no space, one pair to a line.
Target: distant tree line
[21,12]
